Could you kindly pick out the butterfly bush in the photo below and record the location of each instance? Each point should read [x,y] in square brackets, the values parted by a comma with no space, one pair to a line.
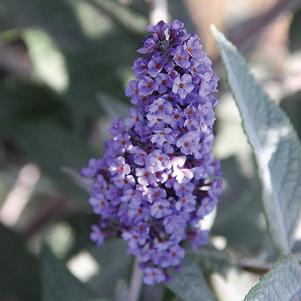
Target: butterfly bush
[157,178]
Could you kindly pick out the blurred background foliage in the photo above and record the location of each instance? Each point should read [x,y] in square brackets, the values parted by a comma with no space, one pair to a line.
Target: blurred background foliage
[64,65]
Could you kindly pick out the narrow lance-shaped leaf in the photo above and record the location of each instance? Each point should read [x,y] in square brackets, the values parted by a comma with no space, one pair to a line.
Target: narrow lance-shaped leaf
[275,143]
[111,106]
[189,283]
[77,178]
[281,283]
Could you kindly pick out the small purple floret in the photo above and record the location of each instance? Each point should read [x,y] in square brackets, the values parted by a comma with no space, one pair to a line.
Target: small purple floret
[183,85]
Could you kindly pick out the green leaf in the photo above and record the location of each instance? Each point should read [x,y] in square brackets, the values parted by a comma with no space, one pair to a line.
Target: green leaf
[281,283]
[112,106]
[291,106]
[125,17]
[19,277]
[93,60]
[239,209]
[77,178]
[58,284]
[189,283]
[212,260]
[121,291]
[28,101]
[115,264]
[53,147]
[37,120]
[44,53]
[294,32]
[275,143]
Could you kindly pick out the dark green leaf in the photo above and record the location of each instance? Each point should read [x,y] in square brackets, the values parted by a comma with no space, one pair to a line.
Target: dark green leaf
[92,63]
[294,32]
[115,263]
[111,106]
[77,178]
[121,291]
[19,270]
[189,283]
[80,223]
[239,209]
[212,259]
[292,107]
[24,101]
[58,284]
[52,147]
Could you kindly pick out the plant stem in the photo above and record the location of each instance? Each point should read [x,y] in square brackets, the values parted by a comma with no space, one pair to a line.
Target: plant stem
[254,268]
[136,283]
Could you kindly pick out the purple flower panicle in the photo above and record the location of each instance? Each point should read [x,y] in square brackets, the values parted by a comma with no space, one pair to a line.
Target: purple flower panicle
[157,178]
